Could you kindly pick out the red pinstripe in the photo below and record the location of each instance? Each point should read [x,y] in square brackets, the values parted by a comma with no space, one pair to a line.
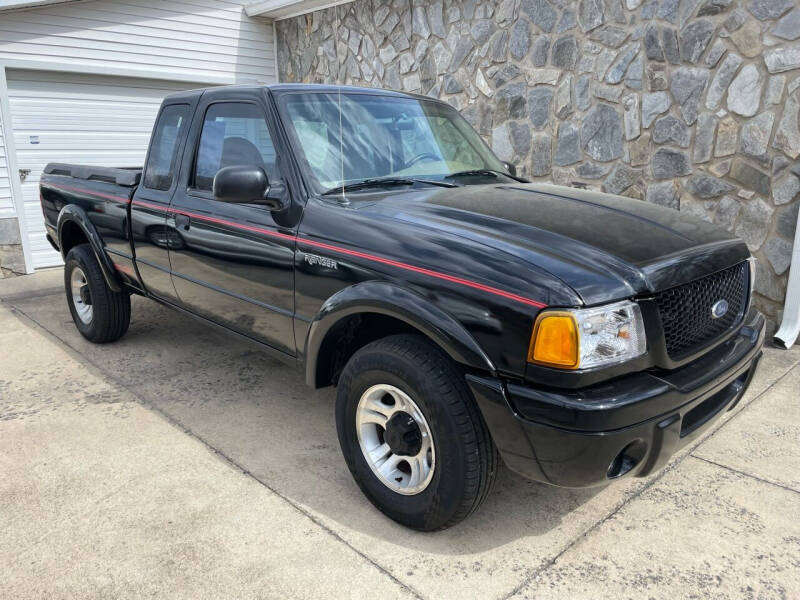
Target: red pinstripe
[90,192]
[423,271]
[331,247]
[123,268]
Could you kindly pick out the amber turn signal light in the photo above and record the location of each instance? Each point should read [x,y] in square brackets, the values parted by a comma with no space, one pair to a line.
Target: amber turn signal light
[554,342]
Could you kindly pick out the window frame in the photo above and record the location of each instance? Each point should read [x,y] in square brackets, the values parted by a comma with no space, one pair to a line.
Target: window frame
[174,167]
[191,189]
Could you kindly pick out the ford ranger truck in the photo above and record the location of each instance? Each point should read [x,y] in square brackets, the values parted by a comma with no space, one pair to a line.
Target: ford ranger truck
[372,239]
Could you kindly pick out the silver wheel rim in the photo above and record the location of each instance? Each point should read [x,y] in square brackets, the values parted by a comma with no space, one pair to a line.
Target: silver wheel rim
[404,474]
[76,281]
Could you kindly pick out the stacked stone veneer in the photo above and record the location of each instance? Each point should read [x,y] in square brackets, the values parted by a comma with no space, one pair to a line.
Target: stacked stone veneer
[691,104]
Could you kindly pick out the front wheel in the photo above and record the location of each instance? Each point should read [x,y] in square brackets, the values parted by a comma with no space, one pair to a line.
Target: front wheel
[412,435]
[99,313]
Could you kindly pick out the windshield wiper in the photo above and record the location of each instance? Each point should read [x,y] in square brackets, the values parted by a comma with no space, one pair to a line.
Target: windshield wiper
[486,173]
[477,172]
[385,181]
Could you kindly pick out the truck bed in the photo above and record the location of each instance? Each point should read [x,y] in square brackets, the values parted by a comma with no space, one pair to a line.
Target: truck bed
[100,196]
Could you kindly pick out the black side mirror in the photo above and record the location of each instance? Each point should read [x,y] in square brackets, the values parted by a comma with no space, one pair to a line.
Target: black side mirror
[512,170]
[248,184]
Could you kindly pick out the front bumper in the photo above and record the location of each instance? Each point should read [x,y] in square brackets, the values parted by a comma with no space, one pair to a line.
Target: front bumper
[629,426]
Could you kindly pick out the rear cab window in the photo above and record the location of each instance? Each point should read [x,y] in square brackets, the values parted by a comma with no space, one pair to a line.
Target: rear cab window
[160,168]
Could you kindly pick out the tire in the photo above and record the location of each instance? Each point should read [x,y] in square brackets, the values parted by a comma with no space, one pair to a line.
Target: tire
[463,457]
[109,312]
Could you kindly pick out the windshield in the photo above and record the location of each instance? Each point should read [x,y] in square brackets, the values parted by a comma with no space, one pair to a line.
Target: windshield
[376,136]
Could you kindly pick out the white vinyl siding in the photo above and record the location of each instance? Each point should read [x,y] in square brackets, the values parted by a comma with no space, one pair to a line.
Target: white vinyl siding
[6,204]
[196,40]
[84,119]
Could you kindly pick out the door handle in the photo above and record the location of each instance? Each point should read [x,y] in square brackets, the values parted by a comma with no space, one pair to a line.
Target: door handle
[182,222]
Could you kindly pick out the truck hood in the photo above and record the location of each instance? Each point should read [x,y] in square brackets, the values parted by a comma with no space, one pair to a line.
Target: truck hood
[602,246]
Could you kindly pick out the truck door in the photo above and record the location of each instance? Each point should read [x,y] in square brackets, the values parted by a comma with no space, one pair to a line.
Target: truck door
[235,263]
[151,235]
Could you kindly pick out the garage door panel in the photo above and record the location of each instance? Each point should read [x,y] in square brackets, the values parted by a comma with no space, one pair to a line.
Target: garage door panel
[65,124]
[65,121]
[76,101]
[78,145]
[92,87]
[60,109]
[73,118]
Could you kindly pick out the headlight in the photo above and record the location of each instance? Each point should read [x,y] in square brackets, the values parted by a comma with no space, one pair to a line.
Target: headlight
[588,338]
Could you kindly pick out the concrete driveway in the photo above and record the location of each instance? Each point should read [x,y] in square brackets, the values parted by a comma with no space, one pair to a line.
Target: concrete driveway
[179,462]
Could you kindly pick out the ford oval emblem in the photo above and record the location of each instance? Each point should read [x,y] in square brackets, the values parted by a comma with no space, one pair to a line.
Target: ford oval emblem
[719,309]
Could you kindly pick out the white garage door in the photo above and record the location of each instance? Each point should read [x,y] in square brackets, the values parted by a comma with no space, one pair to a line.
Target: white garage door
[84,119]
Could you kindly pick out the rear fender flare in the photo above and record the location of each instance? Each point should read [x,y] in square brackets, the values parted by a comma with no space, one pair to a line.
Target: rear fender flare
[72,213]
[389,299]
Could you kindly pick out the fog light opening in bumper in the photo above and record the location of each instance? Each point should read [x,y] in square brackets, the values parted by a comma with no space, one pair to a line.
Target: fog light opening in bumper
[630,456]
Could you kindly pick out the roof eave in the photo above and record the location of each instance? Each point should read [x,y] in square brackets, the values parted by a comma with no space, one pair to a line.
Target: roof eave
[286,9]
[23,4]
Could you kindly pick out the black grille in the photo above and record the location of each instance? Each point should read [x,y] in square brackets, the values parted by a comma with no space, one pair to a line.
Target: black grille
[686,310]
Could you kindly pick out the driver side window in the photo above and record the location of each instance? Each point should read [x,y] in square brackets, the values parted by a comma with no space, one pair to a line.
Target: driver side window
[234,133]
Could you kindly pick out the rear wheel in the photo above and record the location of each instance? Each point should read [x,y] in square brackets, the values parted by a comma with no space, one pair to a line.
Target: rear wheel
[412,435]
[100,314]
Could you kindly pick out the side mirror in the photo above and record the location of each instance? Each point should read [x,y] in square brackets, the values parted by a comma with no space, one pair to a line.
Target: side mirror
[247,184]
[512,170]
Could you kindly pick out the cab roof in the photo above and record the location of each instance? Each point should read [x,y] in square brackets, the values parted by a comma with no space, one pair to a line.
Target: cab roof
[284,88]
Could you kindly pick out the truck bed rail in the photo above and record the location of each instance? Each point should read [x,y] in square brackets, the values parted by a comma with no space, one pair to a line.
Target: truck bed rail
[127,177]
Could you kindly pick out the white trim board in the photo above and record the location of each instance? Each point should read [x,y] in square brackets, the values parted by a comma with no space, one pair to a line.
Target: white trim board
[141,73]
[286,9]
[13,172]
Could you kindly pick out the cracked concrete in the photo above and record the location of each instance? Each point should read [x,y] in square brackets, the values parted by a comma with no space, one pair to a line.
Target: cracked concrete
[180,462]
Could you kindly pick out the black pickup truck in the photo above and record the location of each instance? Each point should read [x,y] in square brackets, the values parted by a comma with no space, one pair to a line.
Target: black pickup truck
[373,239]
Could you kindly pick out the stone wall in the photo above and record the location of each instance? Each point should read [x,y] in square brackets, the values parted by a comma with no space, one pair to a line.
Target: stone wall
[691,104]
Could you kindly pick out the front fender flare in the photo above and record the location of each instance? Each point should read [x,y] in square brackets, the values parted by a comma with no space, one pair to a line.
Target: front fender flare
[389,299]
[72,213]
